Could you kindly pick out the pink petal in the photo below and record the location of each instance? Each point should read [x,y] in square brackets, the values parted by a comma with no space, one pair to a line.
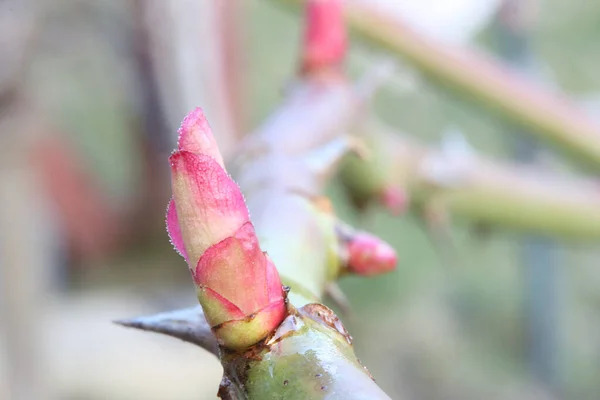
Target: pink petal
[210,205]
[217,309]
[325,35]
[195,136]
[236,269]
[394,199]
[173,229]
[369,255]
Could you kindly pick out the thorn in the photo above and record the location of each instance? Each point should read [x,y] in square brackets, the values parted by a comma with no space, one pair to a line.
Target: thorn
[187,324]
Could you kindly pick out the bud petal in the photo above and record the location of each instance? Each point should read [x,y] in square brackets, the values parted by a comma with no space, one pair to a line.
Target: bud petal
[209,204]
[217,309]
[243,333]
[238,270]
[195,136]
[325,35]
[174,230]
[368,255]
[240,290]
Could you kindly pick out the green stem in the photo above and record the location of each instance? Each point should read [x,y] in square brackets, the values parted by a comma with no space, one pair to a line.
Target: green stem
[282,169]
[547,115]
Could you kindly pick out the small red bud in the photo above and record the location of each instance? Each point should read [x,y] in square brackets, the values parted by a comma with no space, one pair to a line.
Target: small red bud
[209,204]
[368,255]
[394,199]
[325,35]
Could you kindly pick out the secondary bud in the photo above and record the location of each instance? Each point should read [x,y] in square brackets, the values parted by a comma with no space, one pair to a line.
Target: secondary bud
[394,199]
[325,35]
[369,255]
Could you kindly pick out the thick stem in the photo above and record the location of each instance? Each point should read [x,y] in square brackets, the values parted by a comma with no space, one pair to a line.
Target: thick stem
[189,62]
[309,357]
[25,243]
[282,169]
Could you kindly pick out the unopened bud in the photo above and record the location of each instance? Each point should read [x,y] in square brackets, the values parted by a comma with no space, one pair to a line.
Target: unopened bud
[369,255]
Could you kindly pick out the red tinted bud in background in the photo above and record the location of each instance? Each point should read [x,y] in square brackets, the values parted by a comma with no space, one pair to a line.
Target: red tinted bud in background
[368,255]
[394,199]
[325,39]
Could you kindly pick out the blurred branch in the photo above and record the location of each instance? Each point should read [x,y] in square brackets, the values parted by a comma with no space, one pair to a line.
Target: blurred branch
[17,30]
[190,61]
[26,258]
[512,33]
[548,115]
[464,185]
[154,122]
[230,24]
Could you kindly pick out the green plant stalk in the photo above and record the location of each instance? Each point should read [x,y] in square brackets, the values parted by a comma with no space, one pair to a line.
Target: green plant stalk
[547,115]
[282,169]
[475,189]
[309,357]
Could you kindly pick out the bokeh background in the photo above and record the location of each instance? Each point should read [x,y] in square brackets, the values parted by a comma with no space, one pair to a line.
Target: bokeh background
[91,94]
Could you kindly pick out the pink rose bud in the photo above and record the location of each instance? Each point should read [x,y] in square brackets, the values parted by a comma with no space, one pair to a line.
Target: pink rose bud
[368,255]
[208,222]
[394,199]
[325,35]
